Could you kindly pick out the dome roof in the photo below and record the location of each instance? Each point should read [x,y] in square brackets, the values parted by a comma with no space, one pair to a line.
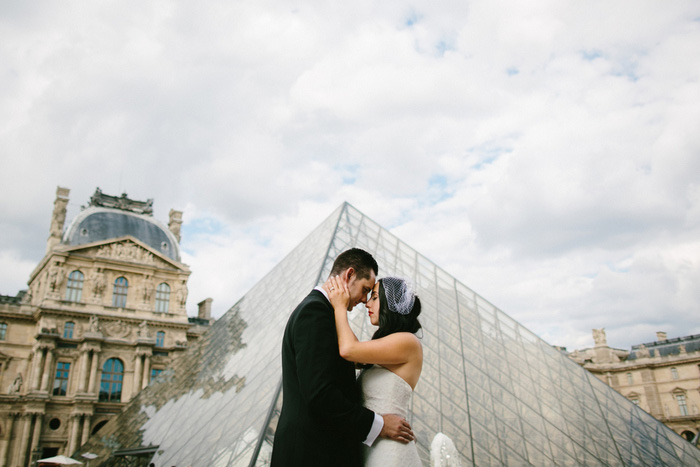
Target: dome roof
[95,224]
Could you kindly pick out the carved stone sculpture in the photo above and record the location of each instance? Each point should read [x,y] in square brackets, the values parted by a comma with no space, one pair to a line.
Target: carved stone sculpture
[182,295]
[143,330]
[643,351]
[98,283]
[94,326]
[147,289]
[599,336]
[117,329]
[16,384]
[56,277]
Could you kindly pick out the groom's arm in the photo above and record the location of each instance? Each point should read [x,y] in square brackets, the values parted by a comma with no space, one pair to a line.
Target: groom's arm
[375,431]
[316,349]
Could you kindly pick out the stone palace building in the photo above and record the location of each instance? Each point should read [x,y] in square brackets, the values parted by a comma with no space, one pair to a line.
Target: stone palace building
[661,377]
[103,315]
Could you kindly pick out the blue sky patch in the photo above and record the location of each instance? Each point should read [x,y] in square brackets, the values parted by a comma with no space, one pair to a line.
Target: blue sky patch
[348,173]
[488,155]
[412,19]
[203,226]
[590,55]
[443,46]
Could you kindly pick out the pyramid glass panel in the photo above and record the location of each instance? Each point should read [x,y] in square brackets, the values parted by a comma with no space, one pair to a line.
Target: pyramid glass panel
[504,396]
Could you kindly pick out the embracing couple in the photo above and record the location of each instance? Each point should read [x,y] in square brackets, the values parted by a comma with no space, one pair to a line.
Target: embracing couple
[328,418]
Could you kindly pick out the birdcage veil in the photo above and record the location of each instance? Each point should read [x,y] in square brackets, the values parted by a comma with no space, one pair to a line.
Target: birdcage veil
[400,295]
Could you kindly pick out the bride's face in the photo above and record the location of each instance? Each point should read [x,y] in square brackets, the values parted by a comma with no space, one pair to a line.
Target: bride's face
[373,305]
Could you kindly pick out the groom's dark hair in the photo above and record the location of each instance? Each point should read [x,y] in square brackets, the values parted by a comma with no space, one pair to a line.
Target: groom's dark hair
[361,261]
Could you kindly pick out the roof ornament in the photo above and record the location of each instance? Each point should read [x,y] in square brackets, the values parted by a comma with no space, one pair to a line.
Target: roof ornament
[122,202]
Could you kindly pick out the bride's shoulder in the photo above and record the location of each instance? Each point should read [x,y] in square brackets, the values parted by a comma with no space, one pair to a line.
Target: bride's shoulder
[406,338]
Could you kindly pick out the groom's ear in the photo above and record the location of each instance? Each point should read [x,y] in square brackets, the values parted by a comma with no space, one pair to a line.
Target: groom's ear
[349,272]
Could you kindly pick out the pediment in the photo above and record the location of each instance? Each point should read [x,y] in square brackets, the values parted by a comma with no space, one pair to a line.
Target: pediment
[127,249]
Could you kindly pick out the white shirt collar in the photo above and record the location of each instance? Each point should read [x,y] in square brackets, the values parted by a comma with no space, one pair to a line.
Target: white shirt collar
[323,291]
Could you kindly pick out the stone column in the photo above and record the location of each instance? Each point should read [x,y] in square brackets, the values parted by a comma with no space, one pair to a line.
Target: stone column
[175,223]
[58,218]
[73,439]
[8,446]
[137,375]
[146,372]
[83,370]
[48,369]
[93,373]
[36,367]
[39,418]
[24,441]
[86,429]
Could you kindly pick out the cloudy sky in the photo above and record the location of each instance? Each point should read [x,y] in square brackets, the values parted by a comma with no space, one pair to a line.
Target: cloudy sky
[545,153]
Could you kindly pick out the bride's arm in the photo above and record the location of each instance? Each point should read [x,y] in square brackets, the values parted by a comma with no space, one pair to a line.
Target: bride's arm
[392,349]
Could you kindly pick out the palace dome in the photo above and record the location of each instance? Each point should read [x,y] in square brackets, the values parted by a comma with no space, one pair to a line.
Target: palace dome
[97,223]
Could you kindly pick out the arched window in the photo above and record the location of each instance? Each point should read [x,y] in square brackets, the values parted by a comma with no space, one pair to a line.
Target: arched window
[3,331]
[674,373]
[630,380]
[68,330]
[162,297]
[121,285]
[633,397]
[74,289]
[112,378]
[160,339]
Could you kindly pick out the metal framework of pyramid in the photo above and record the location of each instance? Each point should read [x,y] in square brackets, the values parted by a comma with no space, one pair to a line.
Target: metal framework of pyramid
[503,395]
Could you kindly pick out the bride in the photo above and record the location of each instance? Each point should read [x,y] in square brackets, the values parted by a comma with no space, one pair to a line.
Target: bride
[392,360]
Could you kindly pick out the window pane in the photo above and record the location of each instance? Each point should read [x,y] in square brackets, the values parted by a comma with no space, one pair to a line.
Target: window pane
[121,285]
[682,404]
[68,330]
[74,289]
[60,382]
[160,338]
[162,297]
[111,384]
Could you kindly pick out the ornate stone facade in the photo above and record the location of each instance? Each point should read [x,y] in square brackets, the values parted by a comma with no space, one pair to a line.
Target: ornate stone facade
[103,315]
[662,377]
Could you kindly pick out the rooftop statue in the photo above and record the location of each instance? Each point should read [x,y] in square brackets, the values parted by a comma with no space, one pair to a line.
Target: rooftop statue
[122,202]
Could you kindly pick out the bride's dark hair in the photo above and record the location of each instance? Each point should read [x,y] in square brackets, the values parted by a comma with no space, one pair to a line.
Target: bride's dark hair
[391,322]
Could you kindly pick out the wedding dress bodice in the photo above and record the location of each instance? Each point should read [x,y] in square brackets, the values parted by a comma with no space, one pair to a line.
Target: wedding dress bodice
[385,392]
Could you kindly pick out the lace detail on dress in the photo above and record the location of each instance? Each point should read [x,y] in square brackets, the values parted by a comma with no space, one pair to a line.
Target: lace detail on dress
[386,392]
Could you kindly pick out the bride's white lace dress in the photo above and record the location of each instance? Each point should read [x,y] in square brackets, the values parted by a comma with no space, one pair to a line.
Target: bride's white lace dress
[385,392]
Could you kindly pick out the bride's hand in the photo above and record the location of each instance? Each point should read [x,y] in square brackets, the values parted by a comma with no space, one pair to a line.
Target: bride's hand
[338,293]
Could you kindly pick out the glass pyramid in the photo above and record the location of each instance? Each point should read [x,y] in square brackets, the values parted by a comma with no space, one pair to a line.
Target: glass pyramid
[503,395]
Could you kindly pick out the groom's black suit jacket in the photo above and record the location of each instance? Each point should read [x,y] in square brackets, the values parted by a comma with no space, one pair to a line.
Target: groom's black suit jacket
[322,422]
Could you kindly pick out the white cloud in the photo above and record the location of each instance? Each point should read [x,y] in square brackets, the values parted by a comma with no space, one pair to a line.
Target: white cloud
[543,153]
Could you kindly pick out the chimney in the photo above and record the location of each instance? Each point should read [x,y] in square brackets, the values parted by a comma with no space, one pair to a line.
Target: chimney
[205,309]
[58,218]
[175,223]
[661,336]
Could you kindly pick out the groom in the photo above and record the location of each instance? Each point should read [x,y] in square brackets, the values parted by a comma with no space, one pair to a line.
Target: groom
[322,422]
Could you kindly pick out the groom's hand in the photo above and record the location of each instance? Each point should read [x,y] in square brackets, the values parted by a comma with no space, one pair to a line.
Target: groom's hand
[396,428]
